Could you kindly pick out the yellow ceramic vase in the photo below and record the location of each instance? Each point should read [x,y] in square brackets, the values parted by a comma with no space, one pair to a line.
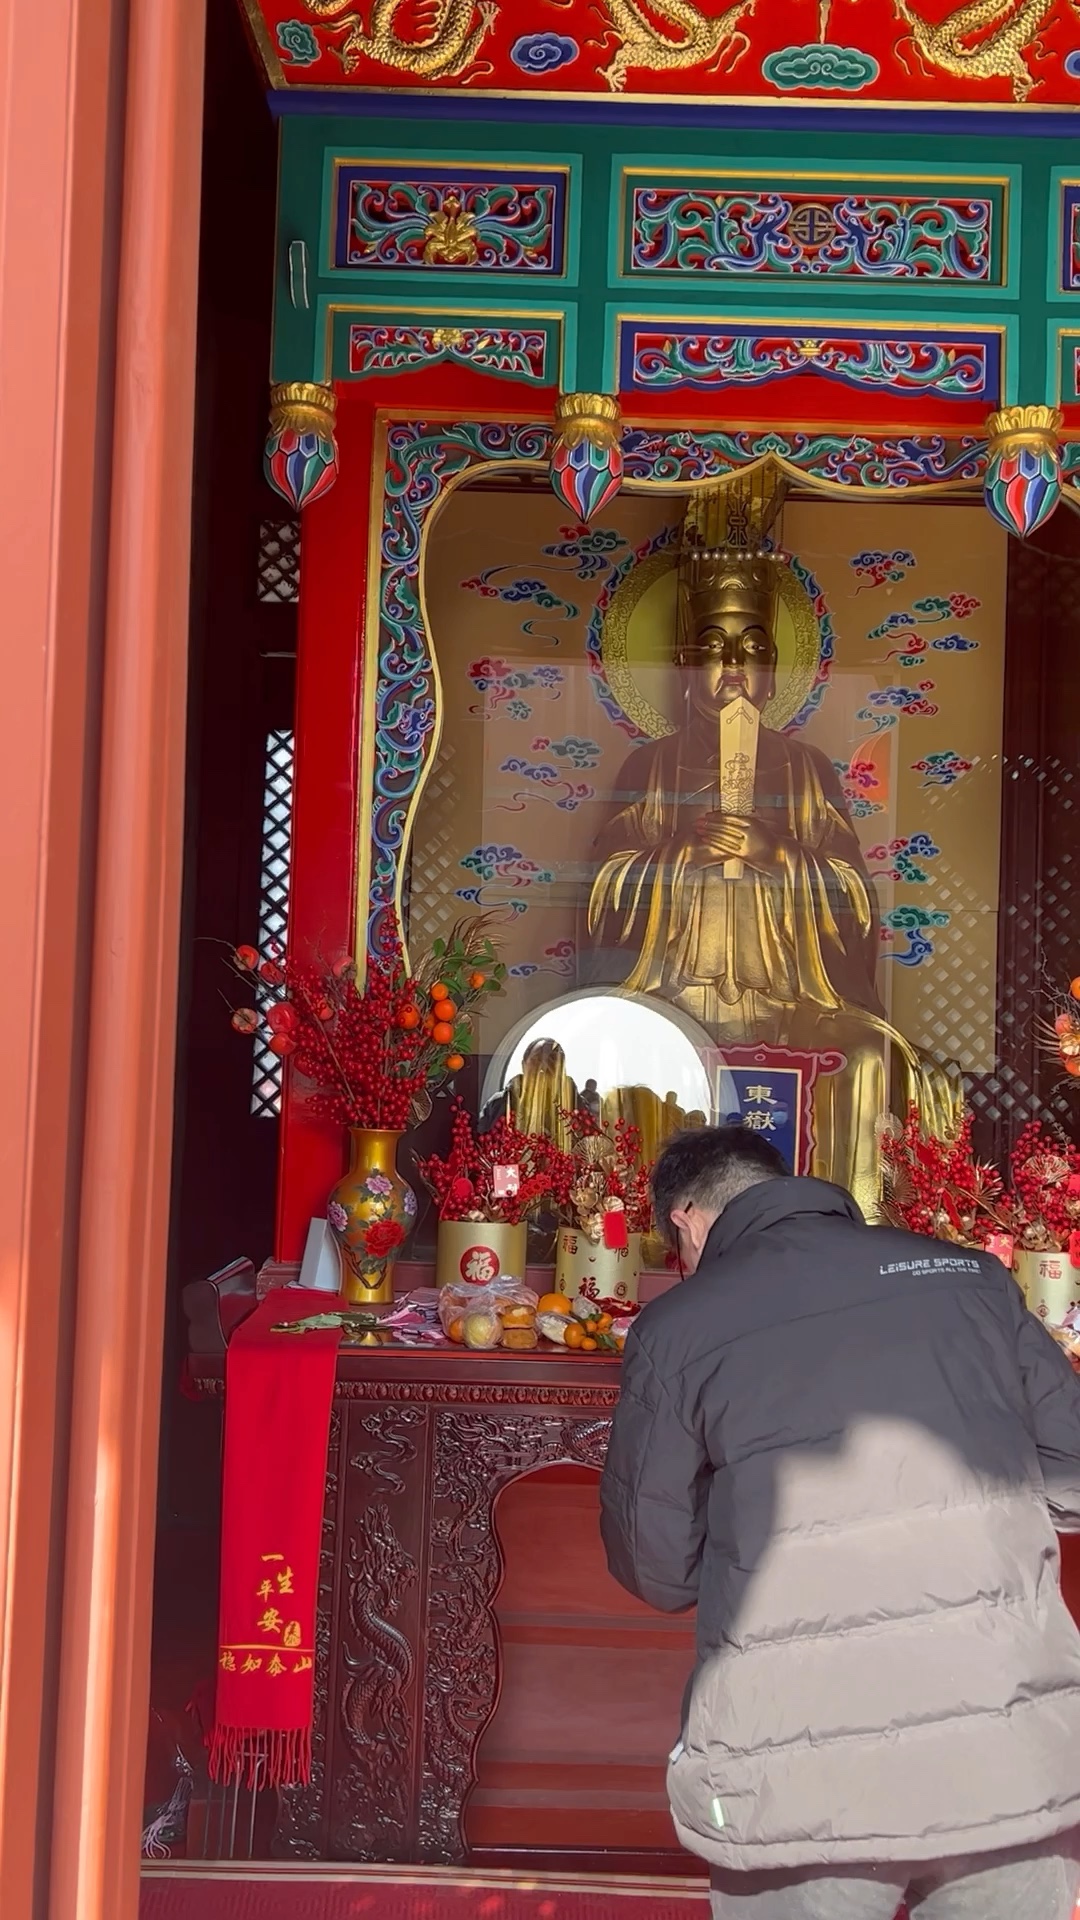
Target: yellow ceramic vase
[602,1273]
[371,1213]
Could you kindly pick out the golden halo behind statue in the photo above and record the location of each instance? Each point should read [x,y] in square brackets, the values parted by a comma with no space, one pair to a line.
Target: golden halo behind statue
[638,639]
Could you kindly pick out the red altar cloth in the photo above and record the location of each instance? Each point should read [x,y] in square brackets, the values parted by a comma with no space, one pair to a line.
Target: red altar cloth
[279,1392]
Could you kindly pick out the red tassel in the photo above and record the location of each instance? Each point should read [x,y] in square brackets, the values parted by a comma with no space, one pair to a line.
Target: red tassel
[260,1759]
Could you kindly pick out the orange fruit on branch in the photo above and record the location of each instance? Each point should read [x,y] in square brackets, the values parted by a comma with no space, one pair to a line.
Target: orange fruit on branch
[444,1009]
[408,1018]
[455,1062]
[442,1033]
[477,980]
[439,991]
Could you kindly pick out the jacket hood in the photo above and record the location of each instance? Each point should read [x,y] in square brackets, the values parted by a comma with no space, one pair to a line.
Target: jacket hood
[771,1202]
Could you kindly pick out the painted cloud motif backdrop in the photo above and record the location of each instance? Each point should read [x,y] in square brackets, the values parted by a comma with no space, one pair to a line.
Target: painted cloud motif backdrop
[909,603]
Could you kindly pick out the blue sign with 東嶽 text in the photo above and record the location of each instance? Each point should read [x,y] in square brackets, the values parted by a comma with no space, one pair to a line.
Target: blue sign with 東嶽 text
[768,1100]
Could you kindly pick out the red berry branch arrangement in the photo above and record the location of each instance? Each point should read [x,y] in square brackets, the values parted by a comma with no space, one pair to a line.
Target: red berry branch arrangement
[498,1176]
[1046,1185]
[938,1187]
[372,1055]
[599,1175]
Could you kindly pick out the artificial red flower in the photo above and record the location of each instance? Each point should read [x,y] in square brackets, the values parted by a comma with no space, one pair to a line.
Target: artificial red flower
[382,1237]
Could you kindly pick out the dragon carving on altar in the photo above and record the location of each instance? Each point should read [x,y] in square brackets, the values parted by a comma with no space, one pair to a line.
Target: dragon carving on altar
[983,40]
[453,33]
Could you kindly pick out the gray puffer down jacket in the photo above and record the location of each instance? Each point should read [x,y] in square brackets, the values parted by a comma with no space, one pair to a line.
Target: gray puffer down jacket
[849,1447]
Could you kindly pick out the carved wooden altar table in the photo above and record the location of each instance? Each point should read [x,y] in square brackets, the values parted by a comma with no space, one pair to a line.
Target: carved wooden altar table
[410,1663]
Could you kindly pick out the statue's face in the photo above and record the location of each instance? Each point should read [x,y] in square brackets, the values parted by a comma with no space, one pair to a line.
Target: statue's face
[731,652]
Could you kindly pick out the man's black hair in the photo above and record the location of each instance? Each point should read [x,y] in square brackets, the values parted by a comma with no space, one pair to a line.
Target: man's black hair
[709,1166]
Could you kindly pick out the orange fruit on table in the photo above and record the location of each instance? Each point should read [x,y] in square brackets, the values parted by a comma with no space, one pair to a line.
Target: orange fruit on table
[553,1303]
[439,991]
[604,1322]
[442,1033]
[588,1345]
[444,1009]
[454,1062]
[574,1336]
[456,1331]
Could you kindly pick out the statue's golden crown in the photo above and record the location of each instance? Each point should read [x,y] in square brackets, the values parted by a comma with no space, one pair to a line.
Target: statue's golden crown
[727,550]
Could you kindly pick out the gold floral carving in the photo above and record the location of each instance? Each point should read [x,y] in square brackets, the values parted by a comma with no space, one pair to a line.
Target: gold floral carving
[302,406]
[596,417]
[450,237]
[1013,427]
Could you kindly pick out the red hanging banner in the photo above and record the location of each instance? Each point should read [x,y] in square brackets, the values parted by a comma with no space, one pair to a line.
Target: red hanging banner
[279,1388]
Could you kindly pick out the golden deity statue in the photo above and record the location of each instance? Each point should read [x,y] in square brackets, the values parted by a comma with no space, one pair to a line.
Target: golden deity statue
[730,875]
[539,1097]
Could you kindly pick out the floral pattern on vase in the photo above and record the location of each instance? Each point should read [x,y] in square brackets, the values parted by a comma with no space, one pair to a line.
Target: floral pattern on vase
[371,1212]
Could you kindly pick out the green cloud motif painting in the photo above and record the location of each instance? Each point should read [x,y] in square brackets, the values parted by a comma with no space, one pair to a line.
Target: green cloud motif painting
[826,69]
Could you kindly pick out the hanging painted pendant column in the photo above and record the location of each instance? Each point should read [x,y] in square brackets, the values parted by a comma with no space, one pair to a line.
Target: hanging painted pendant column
[1023,472]
[587,462]
[301,459]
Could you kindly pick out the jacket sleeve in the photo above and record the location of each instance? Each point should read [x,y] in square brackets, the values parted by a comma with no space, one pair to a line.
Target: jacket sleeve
[1052,1391]
[654,1493]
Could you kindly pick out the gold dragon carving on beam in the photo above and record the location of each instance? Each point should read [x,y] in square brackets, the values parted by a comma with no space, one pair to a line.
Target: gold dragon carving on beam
[678,35]
[453,35]
[981,40]
[985,40]
[719,42]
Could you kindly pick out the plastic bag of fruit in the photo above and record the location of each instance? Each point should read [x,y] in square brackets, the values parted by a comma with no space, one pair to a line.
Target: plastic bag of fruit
[582,1325]
[502,1314]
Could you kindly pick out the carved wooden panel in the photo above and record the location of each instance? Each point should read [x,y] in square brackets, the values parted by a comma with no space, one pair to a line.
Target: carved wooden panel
[406,1669]
[376,1679]
[476,1455]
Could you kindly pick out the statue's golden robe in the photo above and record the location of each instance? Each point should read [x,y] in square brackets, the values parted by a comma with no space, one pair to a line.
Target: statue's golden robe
[784,955]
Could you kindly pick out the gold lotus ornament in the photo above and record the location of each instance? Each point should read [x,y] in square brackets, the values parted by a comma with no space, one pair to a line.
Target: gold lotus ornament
[450,237]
